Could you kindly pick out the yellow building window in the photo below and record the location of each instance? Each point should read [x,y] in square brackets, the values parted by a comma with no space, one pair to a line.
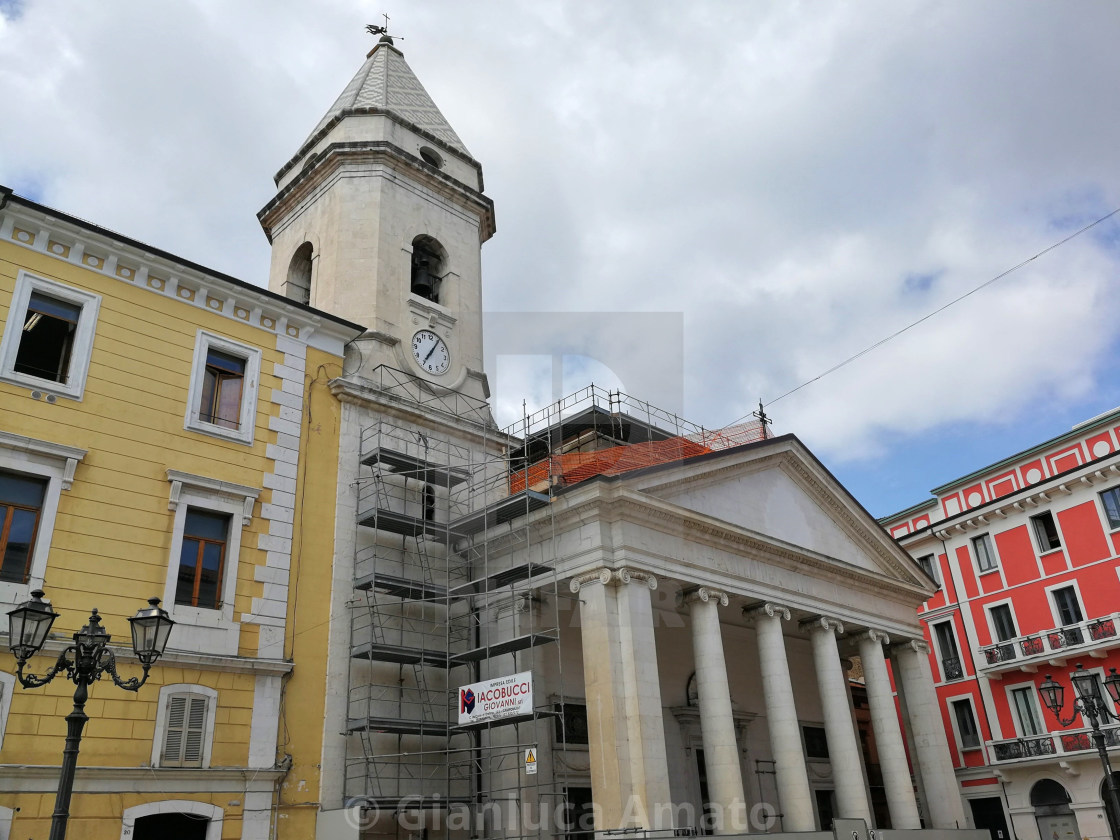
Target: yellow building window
[21,503]
[202,559]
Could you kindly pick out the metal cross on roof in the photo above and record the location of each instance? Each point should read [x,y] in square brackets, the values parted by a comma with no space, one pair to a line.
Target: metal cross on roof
[383,31]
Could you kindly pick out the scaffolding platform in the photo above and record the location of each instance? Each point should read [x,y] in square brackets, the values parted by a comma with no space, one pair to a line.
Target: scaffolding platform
[397,726]
[400,587]
[499,579]
[401,655]
[510,507]
[529,640]
[412,466]
[392,804]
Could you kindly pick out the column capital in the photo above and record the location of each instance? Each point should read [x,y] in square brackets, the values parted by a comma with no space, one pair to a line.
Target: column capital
[602,576]
[916,645]
[705,594]
[822,623]
[629,575]
[874,635]
[607,577]
[768,609]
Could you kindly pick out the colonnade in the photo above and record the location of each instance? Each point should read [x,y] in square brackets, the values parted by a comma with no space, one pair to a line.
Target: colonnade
[624,772]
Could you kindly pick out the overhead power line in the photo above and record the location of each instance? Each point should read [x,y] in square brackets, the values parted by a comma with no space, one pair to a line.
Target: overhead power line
[941,309]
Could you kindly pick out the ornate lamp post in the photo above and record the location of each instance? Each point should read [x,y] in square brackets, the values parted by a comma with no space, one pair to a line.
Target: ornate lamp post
[1091,705]
[83,662]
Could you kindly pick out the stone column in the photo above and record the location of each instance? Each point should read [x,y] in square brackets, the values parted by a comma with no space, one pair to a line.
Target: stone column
[843,746]
[717,725]
[791,776]
[629,768]
[943,799]
[888,736]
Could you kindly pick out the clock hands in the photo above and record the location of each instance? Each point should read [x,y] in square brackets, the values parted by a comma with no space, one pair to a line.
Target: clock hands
[434,346]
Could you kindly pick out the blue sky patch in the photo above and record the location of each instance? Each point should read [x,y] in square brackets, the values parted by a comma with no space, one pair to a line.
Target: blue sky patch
[11,9]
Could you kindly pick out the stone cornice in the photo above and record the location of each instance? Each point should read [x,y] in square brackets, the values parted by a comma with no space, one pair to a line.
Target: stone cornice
[363,395]
[37,778]
[70,455]
[69,240]
[182,659]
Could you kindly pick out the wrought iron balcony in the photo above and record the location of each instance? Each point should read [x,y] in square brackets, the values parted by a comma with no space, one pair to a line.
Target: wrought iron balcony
[1098,633]
[1052,744]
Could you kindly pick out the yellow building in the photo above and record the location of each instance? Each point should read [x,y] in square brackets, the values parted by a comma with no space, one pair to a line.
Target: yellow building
[165,431]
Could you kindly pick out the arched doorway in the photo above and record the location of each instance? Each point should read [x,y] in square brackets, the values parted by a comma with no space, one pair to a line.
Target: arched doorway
[1052,812]
[1109,811]
[178,825]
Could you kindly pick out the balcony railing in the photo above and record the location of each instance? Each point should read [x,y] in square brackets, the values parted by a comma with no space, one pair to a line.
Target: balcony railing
[1096,633]
[952,668]
[1055,743]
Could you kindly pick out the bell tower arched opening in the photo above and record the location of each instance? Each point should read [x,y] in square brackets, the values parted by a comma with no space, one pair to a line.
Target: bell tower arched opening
[428,268]
[298,285]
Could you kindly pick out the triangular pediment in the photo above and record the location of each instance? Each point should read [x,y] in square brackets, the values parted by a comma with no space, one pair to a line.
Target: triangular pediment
[780,492]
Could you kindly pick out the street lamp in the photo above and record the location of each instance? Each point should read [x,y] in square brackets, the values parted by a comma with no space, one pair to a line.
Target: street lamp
[83,662]
[1089,702]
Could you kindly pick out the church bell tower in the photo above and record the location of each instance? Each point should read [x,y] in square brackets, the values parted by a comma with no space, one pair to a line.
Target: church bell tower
[380,218]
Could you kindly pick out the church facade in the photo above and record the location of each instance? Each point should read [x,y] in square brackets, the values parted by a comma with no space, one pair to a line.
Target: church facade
[601,619]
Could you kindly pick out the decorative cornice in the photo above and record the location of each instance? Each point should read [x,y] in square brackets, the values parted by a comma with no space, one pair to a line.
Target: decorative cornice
[822,623]
[769,609]
[871,634]
[247,496]
[71,455]
[705,594]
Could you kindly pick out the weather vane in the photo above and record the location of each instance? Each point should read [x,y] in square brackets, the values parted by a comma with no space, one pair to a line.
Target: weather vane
[383,31]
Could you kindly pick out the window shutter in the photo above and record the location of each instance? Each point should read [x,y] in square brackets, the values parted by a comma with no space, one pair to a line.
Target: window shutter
[186,728]
[195,729]
[173,736]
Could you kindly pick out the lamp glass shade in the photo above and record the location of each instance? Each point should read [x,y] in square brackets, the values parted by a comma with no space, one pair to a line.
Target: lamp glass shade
[1085,685]
[1053,695]
[151,628]
[29,624]
[1112,685]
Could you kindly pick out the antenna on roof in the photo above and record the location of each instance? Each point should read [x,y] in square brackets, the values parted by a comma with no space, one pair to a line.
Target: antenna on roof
[383,31]
[760,415]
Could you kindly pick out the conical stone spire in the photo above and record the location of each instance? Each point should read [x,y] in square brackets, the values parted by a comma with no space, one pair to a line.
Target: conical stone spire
[386,84]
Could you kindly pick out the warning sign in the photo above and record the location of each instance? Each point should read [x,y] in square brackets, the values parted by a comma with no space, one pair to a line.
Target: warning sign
[530,761]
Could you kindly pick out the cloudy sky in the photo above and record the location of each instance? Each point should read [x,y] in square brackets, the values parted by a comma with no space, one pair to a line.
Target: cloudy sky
[782,183]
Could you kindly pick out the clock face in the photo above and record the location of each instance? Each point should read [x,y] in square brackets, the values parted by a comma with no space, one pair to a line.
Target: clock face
[430,352]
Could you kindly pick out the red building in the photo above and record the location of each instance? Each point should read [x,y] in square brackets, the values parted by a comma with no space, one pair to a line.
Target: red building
[1027,555]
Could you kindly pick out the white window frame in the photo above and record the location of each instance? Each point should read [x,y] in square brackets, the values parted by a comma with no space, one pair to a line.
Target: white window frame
[941,653]
[1054,604]
[1032,520]
[1104,511]
[992,624]
[200,629]
[961,748]
[935,566]
[1032,691]
[991,550]
[161,719]
[43,459]
[246,426]
[81,350]
[7,689]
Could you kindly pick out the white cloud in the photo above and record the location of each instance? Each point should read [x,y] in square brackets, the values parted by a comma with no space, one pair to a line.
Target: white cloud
[773,171]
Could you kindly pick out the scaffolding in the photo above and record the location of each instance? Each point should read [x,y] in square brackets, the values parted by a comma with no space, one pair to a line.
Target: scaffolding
[455,583]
